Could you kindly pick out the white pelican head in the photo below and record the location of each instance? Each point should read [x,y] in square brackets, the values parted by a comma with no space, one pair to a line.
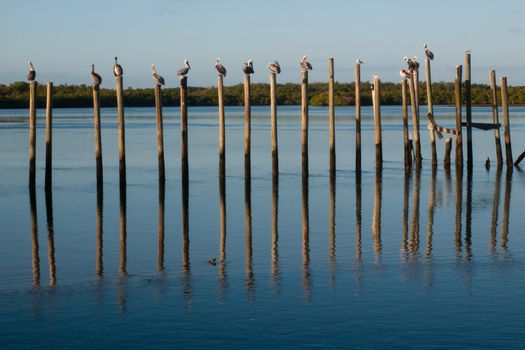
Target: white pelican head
[187,63]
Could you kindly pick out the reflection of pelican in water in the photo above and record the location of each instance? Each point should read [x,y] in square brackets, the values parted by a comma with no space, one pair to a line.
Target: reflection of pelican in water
[306,239]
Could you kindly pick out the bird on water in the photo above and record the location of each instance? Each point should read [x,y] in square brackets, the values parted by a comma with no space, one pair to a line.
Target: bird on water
[305,65]
[247,67]
[428,53]
[95,77]
[156,77]
[220,68]
[274,67]
[183,71]
[117,68]
[32,72]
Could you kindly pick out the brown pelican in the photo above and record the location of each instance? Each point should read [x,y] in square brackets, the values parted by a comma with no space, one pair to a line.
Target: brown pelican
[358,61]
[487,163]
[247,68]
[32,73]
[428,53]
[409,62]
[156,77]
[183,71]
[305,65]
[96,78]
[274,67]
[416,63]
[405,74]
[220,68]
[117,68]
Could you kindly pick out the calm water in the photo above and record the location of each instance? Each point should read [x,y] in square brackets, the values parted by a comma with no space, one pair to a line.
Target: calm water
[427,259]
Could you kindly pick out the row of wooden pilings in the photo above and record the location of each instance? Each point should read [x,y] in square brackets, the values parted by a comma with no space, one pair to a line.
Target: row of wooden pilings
[412,150]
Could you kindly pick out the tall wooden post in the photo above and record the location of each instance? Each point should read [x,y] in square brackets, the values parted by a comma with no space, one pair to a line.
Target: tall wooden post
[377,121]
[160,131]
[304,121]
[49,135]
[468,105]
[32,133]
[273,124]
[247,123]
[406,147]
[431,111]
[415,121]
[358,117]
[506,121]
[495,117]
[121,131]
[184,126]
[331,112]
[459,136]
[97,133]
[222,133]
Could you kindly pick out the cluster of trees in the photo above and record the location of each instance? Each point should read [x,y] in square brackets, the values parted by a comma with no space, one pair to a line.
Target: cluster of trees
[15,95]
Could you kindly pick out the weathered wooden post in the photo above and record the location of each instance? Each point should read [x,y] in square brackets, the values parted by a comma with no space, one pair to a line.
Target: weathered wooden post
[273,124]
[406,136]
[358,116]
[97,133]
[32,132]
[495,116]
[415,120]
[304,121]
[247,123]
[459,135]
[468,105]
[121,130]
[448,150]
[160,131]
[431,111]
[49,135]
[331,112]
[376,93]
[222,133]
[184,126]
[506,121]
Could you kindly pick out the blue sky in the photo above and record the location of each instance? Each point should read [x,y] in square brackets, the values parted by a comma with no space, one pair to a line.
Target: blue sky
[64,37]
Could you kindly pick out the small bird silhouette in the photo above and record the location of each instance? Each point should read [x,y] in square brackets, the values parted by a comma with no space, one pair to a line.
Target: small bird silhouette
[212,261]
[487,163]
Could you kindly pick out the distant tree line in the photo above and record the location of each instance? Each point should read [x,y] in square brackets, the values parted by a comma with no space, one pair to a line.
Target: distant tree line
[15,95]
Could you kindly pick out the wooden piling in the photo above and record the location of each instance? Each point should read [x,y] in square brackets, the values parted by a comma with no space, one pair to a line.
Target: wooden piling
[495,117]
[376,93]
[32,132]
[121,131]
[331,112]
[273,124]
[506,121]
[448,150]
[97,133]
[247,122]
[406,137]
[184,125]
[358,117]
[160,131]
[431,111]
[304,121]
[415,121]
[222,133]
[459,136]
[49,135]
[468,105]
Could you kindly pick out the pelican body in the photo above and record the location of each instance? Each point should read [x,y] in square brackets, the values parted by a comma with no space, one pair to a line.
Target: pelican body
[247,68]
[184,71]
[305,65]
[117,68]
[220,68]
[428,53]
[95,77]
[31,75]
[157,79]
[274,67]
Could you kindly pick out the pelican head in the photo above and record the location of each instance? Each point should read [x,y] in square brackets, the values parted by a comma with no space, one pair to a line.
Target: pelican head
[30,65]
[153,67]
[93,66]
[116,59]
[425,46]
[304,58]
[218,60]
[250,61]
[415,58]
[358,61]
[405,59]
[187,63]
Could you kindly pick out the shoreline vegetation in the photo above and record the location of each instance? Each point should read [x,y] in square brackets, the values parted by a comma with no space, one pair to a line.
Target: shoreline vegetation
[15,95]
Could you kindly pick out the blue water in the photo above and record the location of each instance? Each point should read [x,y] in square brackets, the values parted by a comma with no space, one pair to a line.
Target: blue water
[381,260]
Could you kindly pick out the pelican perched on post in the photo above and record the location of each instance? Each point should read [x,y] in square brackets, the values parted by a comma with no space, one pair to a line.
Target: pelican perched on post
[247,67]
[358,61]
[416,63]
[32,72]
[409,62]
[117,68]
[405,74]
[428,53]
[96,78]
[274,67]
[183,71]
[156,77]
[305,65]
[220,68]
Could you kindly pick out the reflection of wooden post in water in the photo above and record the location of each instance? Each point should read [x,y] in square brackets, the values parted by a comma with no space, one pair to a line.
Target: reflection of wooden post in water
[50,237]
[407,156]
[459,135]
[222,244]
[376,220]
[123,231]
[431,111]
[275,230]
[306,238]
[186,238]
[431,205]
[32,132]
[495,211]
[415,120]
[247,122]
[414,222]
[331,112]
[34,236]
[304,121]
[250,285]
[97,133]
[331,221]
[459,205]
[160,252]
[273,124]
[160,131]
[506,122]
[357,116]
[495,117]
[100,233]
[506,210]
[376,95]
[406,197]
[184,124]
[49,135]
[121,131]
[468,215]
[468,108]
[358,217]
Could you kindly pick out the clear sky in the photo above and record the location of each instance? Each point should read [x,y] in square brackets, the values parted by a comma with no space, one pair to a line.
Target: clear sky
[64,37]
